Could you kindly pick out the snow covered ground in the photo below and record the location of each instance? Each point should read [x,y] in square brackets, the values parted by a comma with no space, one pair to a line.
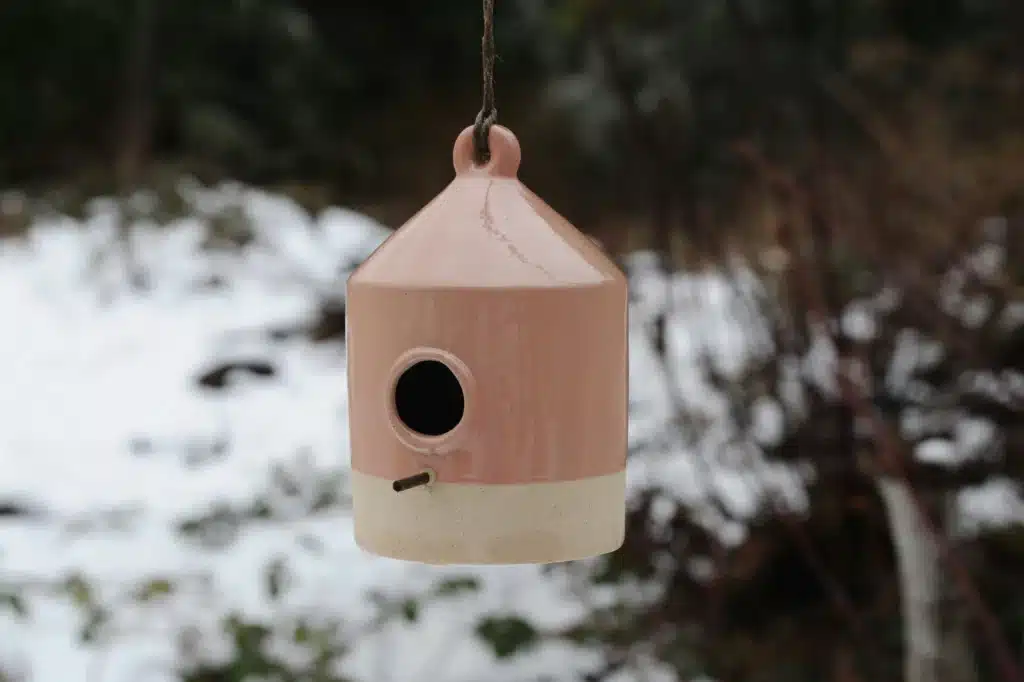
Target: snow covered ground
[107,435]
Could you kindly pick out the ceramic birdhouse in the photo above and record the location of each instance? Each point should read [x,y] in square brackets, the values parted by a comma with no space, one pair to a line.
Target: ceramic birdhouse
[487,370]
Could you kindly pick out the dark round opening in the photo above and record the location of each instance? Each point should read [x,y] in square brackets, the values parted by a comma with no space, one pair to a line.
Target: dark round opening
[429,398]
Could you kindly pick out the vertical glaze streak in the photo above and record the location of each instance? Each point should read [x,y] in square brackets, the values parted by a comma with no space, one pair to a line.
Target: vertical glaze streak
[487,221]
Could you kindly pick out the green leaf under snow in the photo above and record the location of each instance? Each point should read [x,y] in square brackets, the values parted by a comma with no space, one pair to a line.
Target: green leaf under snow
[410,610]
[457,585]
[79,590]
[507,635]
[98,617]
[274,577]
[15,602]
[154,589]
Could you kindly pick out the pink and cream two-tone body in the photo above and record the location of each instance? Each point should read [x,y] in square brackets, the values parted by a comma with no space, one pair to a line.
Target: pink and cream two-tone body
[492,288]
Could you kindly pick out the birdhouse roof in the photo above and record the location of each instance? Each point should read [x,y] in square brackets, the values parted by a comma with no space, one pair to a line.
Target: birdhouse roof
[487,229]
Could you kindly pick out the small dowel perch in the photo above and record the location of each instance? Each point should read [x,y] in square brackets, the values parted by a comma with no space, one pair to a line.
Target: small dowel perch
[414,481]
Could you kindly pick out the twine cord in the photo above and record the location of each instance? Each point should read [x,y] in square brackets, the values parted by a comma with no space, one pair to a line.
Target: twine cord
[488,115]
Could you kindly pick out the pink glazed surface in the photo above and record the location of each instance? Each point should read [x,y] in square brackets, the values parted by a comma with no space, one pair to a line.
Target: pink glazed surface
[527,312]
[543,372]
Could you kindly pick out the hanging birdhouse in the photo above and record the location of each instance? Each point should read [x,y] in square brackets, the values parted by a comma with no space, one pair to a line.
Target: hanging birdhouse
[487,369]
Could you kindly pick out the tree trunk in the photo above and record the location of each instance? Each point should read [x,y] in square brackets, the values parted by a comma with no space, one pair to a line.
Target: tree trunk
[920,582]
[958,663]
[138,107]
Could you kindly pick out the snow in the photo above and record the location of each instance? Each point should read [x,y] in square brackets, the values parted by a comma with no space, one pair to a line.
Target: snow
[995,503]
[108,435]
[104,416]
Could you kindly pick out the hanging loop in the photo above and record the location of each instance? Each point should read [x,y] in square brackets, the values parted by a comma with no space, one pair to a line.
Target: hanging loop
[505,154]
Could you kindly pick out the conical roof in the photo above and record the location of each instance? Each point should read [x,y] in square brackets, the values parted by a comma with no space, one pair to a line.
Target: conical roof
[486,229]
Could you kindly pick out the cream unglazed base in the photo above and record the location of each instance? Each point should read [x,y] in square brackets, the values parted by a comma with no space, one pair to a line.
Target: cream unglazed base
[462,523]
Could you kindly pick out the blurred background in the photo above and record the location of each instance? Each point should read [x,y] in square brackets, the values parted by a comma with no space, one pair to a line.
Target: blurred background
[818,204]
